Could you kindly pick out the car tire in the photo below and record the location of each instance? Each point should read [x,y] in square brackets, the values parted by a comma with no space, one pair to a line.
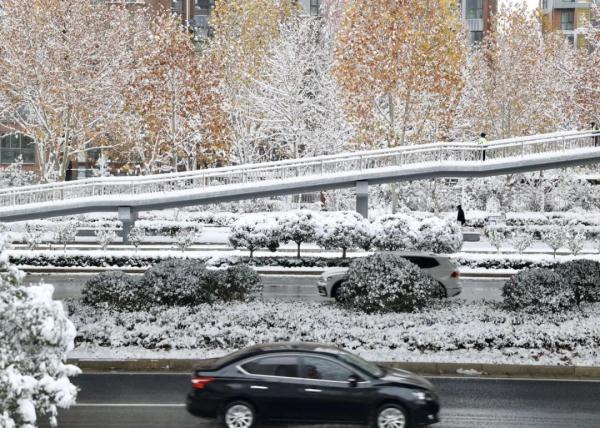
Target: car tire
[239,414]
[336,291]
[391,416]
[443,291]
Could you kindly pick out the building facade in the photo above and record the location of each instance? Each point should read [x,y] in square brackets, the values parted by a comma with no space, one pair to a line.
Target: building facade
[567,16]
[477,15]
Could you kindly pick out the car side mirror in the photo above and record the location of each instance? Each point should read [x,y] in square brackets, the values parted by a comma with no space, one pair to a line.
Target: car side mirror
[353,381]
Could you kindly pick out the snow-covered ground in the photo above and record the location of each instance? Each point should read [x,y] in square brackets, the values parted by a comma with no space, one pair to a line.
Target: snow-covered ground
[454,332]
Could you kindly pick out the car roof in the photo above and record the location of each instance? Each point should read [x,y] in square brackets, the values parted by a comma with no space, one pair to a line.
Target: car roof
[270,348]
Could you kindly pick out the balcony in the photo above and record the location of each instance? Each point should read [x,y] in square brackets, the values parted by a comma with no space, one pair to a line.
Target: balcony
[474,24]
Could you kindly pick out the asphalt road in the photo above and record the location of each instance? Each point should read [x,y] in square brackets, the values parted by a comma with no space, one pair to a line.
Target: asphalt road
[155,401]
[296,287]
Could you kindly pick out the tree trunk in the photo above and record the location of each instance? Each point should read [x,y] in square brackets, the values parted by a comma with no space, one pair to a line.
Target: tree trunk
[343,253]
[298,253]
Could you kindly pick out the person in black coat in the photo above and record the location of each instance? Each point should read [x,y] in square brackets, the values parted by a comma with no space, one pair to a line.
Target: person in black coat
[461,216]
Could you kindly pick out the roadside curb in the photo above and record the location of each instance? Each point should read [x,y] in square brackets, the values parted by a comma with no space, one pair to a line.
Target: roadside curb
[449,369]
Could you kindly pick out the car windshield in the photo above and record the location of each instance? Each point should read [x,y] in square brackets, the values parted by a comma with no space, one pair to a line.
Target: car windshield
[364,365]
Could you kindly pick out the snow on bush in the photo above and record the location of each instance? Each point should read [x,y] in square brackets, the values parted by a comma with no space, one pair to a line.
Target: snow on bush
[538,290]
[15,176]
[575,238]
[105,236]
[583,276]
[554,238]
[115,288]
[255,232]
[522,240]
[346,230]
[173,282]
[299,227]
[65,233]
[386,282]
[35,336]
[185,238]
[437,235]
[453,330]
[395,232]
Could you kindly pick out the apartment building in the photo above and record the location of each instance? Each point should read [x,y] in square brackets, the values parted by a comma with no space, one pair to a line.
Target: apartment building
[567,16]
[477,15]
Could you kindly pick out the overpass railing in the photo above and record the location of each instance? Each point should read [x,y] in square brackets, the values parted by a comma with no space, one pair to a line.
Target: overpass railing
[299,169]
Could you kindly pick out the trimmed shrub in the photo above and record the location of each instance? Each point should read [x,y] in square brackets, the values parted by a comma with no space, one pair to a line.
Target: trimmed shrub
[395,232]
[255,232]
[436,235]
[386,282]
[173,282]
[346,231]
[583,276]
[114,288]
[538,290]
[237,283]
[299,227]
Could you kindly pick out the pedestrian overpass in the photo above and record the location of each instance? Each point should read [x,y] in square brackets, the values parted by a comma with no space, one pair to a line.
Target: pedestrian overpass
[129,195]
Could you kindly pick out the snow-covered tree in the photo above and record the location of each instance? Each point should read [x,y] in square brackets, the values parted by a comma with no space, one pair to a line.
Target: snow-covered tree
[65,233]
[554,238]
[293,107]
[63,65]
[395,232]
[186,237]
[15,176]
[575,238]
[345,230]
[522,240]
[136,236]
[400,66]
[253,232]
[34,233]
[438,235]
[36,336]
[105,236]
[496,236]
[500,96]
[299,227]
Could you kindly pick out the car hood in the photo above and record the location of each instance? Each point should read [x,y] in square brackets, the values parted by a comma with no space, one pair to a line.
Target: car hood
[335,271]
[406,378]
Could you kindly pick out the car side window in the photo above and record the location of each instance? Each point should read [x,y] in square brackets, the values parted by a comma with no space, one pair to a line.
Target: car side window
[282,366]
[423,262]
[324,369]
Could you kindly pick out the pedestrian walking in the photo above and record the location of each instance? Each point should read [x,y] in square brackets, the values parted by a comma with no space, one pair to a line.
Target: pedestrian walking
[596,131]
[483,142]
[461,216]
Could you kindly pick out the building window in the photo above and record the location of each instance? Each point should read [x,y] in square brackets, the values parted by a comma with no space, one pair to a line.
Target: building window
[476,36]
[474,9]
[204,7]
[315,7]
[567,20]
[14,145]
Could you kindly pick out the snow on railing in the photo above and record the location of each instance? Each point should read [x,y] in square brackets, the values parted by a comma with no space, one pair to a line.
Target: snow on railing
[299,168]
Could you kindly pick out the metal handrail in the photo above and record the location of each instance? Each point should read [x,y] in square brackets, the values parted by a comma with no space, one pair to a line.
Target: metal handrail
[298,168]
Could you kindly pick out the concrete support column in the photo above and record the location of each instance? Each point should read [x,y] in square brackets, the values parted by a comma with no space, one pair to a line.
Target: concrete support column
[127,216]
[362,198]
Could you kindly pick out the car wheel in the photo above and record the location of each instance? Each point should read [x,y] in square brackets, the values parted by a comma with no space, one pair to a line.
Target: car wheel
[336,292]
[239,414]
[443,293]
[391,416]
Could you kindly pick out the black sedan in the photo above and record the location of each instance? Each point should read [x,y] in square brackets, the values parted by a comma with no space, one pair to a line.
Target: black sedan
[309,382]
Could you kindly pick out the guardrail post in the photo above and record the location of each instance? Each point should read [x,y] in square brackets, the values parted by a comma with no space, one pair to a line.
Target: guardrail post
[564,143]
[360,162]
[128,216]
[322,167]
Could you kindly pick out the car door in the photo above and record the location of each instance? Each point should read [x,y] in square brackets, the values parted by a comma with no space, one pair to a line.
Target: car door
[273,383]
[329,396]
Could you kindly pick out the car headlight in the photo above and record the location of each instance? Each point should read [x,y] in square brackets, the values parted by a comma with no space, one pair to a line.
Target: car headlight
[421,396]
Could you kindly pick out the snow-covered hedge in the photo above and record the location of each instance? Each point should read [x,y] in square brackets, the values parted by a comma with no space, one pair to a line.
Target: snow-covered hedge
[35,336]
[447,332]
[583,276]
[538,290]
[386,282]
[173,282]
[255,232]
[346,231]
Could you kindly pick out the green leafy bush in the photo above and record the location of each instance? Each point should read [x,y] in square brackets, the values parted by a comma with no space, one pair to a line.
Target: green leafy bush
[386,282]
[114,288]
[538,290]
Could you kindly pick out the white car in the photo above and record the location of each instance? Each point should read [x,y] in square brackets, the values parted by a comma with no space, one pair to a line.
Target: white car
[440,268]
